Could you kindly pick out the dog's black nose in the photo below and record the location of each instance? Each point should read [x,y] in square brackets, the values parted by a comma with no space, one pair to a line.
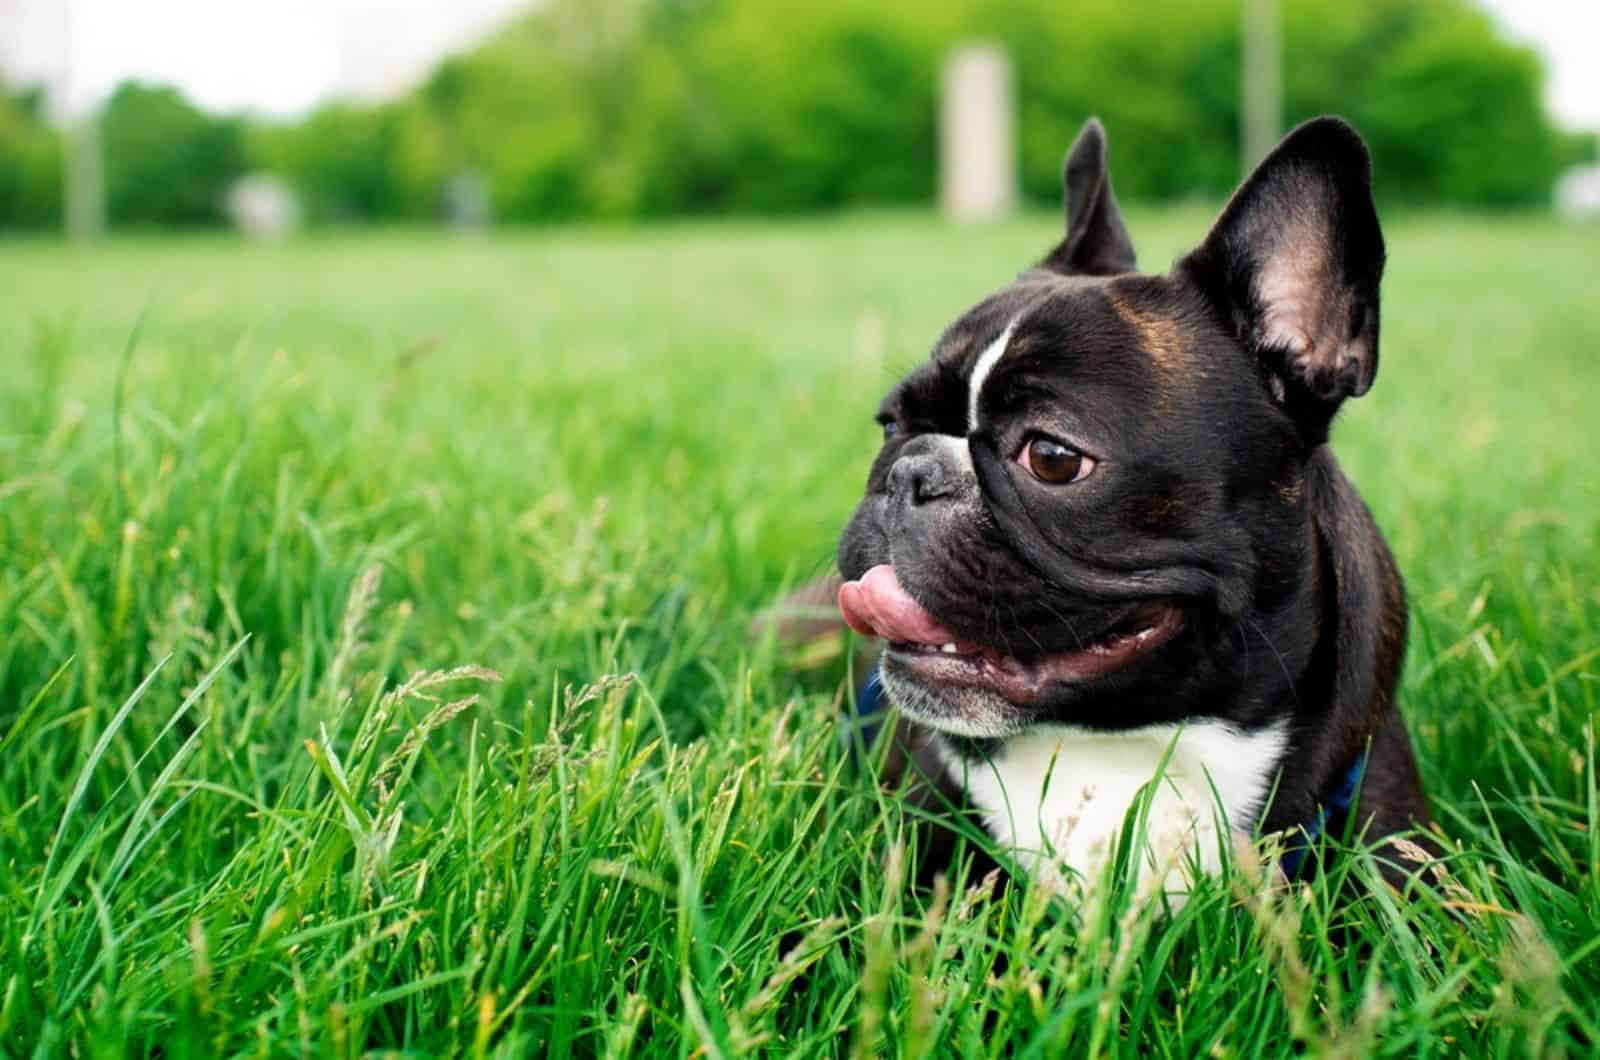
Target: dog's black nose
[919,478]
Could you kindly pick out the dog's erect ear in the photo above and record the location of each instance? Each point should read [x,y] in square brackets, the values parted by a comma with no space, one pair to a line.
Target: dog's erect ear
[1097,243]
[1295,261]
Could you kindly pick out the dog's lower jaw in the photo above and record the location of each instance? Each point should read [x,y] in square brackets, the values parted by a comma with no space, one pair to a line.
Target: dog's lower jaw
[1056,797]
[977,716]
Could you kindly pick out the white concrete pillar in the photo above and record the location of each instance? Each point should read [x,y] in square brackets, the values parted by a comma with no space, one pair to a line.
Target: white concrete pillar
[977,135]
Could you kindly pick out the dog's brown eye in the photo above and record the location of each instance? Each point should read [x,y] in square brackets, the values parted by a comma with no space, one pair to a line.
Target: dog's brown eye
[1052,462]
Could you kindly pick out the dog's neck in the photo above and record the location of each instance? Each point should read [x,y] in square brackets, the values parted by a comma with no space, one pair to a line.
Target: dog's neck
[1057,796]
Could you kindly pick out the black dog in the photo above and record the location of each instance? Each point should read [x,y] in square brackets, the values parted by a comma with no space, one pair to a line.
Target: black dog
[1107,542]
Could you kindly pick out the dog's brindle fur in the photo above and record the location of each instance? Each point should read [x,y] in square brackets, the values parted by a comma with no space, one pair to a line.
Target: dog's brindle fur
[1214,386]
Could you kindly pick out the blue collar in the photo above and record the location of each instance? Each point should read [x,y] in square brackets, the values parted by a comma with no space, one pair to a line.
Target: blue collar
[872,705]
[1340,801]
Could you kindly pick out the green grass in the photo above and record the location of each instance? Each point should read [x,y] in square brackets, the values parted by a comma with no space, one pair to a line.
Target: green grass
[249,805]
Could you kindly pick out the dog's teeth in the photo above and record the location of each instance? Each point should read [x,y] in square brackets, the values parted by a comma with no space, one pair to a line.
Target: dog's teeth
[948,649]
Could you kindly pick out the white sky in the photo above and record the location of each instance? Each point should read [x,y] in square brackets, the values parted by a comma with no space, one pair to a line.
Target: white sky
[269,56]
[283,56]
[1567,34]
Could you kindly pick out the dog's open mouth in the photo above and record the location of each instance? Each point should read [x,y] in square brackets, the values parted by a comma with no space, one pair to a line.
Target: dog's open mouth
[877,605]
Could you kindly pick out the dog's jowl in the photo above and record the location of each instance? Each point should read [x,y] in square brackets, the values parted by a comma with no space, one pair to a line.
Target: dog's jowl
[1107,544]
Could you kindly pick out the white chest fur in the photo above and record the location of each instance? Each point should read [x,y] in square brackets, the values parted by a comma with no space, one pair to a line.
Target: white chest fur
[1058,795]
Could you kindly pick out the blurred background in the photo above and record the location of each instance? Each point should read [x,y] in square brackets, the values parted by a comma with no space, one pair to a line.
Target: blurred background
[269,115]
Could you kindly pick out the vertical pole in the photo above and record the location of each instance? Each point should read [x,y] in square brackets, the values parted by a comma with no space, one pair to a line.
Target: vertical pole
[1261,82]
[83,191]
[85,180]
[977,135]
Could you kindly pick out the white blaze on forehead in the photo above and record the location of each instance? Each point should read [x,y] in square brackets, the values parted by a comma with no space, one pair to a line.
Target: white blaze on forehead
[981,369]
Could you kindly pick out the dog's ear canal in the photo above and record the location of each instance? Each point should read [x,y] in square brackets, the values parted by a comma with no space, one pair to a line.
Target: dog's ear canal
[1294,263]
[1097,242]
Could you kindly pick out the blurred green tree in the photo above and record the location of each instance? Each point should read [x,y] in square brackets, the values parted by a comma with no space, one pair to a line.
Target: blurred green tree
[351,163]
[167,162]
[645,107]
[30,163]
[1453,113]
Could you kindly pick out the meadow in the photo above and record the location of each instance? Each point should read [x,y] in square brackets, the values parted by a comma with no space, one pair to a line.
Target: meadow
[376,677]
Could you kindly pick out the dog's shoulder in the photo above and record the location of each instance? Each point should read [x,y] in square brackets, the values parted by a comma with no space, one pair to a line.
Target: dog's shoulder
[1352,680]
[1366,600]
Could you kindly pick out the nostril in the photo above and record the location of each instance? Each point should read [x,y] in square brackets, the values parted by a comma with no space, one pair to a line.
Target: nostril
[917,480]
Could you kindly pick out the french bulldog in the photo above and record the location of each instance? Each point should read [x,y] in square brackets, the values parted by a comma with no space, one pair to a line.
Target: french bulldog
[1113,558]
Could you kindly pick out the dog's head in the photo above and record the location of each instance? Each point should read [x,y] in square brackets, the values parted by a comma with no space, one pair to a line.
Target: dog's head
[1097,481]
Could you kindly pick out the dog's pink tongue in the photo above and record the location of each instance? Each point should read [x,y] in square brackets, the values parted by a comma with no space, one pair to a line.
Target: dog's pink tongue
[879,606]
